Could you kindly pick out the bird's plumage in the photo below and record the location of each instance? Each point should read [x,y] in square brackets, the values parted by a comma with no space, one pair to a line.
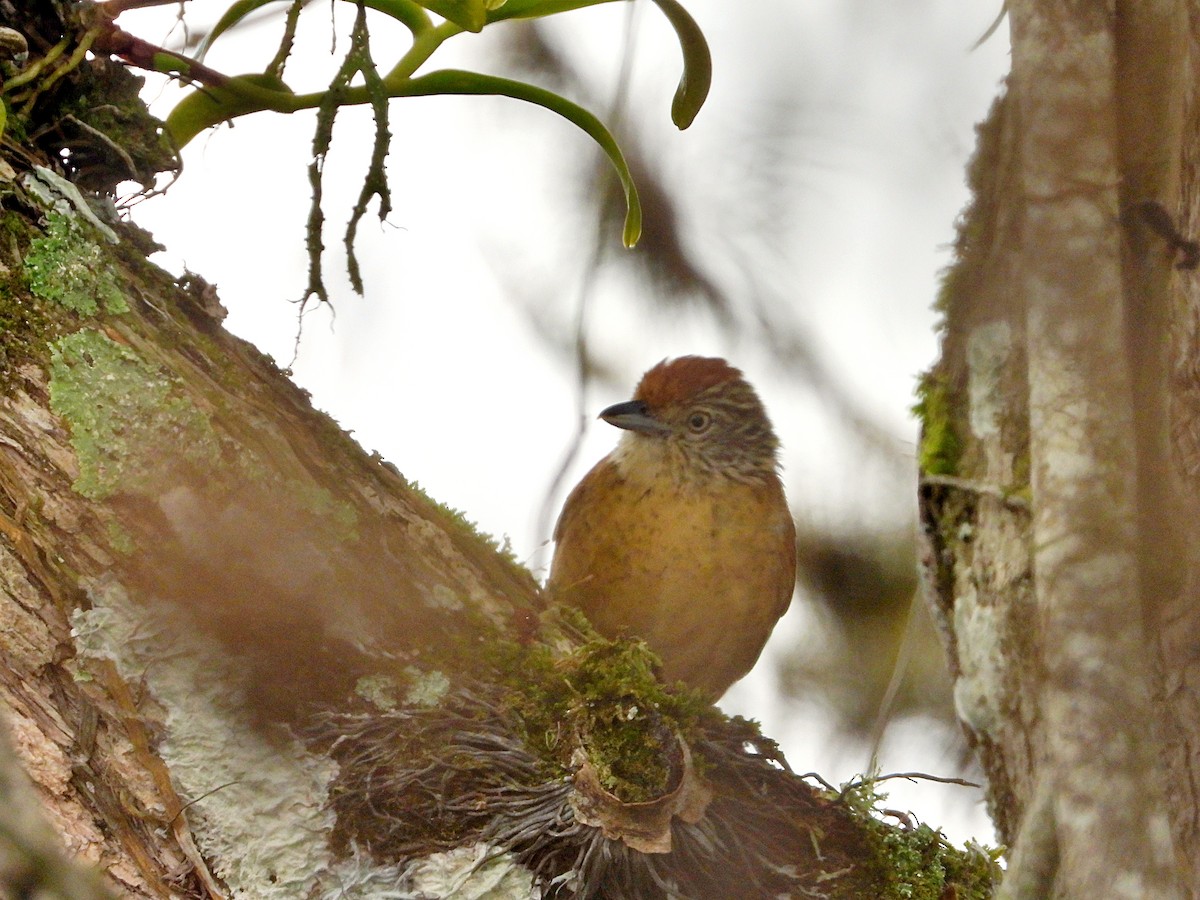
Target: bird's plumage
[677,380]
[682,535]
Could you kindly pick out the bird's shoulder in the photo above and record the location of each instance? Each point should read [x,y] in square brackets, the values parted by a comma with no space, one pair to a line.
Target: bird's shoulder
[600,481]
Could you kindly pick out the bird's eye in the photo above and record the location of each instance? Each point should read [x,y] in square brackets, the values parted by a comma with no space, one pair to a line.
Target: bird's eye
[699,421]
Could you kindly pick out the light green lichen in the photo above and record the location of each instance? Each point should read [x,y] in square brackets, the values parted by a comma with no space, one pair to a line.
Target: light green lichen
[323,503]
[382,691]
[979,689]
[119,538]
[422,689]
[65,266]
[426,688]
[129,420]
[441,597]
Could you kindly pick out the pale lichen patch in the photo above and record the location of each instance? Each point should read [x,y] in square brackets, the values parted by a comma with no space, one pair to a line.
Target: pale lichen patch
[257,803]
[379,690]
[466,873]
[988,350]
[979,688]
[427,688]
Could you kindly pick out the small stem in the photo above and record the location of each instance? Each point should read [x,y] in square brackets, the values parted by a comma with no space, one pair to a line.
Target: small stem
[34,70]
[75,59]
[423,46]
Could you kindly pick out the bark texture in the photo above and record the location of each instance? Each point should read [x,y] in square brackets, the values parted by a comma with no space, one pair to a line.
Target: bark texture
[1055,535]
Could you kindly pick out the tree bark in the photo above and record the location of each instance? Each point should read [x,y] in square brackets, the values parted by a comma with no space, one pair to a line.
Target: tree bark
[1055,538]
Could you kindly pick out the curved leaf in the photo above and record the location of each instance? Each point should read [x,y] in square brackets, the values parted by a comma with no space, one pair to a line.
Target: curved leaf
[215,104]
[455,81]
[697,59]
[697,64]
[408,13]
[229,18]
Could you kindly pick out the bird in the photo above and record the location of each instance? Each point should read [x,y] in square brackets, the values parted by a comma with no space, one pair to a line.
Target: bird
[682,535]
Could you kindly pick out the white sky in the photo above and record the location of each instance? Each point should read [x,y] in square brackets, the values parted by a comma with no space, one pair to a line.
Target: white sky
[440,373]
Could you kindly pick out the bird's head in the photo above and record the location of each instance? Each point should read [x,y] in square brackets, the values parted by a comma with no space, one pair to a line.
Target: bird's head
[699,415]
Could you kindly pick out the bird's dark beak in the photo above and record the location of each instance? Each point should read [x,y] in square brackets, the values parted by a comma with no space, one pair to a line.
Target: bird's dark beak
[633,415]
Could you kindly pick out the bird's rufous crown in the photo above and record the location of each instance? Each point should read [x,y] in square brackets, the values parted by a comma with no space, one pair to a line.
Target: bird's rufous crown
[676,380]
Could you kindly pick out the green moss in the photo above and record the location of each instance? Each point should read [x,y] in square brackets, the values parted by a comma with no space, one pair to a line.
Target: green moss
[26,324]
[460,521]
[66,267]
[940,445]
[917,862]
[13,226]
[104,96]
[958,296]
[922,864]
[604,695]
[14,126]
[23,327]
[128,419]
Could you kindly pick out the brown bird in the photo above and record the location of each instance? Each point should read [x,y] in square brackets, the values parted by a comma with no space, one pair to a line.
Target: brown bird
[681,536]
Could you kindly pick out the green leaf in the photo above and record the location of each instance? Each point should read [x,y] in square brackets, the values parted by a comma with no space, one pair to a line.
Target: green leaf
[697,64]
[408,12]
[211,105]
[697,59]
[455,81]
[468,14]
[229,18]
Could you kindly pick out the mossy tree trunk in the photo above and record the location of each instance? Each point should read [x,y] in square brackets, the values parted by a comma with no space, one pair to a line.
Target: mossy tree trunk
[1059,454]
[240,657]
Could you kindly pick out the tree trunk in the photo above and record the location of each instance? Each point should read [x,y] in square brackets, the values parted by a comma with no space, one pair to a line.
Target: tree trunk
[240,657]
[1058,512]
